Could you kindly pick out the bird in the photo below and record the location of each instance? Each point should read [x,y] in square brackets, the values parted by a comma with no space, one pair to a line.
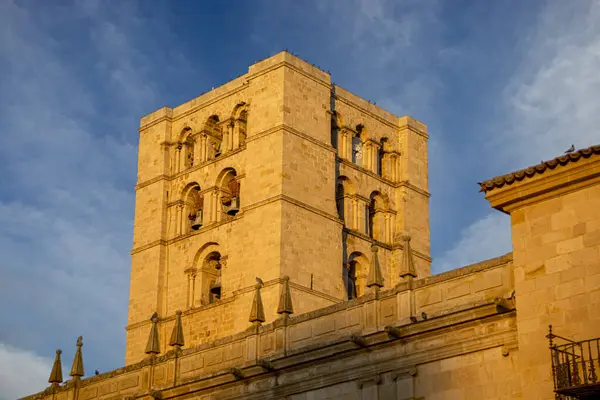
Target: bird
[97,372]
[423,315]
[570,149]
[259,281]
[413,318]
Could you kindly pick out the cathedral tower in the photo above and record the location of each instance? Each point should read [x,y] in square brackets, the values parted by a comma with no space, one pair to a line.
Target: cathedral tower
[276,173]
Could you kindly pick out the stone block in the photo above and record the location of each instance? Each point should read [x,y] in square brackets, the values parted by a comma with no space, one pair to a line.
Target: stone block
[569,289]
[558,263]
[591,238]
[129,382]
[570,245]
[428,296]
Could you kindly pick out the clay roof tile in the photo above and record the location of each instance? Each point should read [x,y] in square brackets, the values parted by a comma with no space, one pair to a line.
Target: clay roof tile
[508,179]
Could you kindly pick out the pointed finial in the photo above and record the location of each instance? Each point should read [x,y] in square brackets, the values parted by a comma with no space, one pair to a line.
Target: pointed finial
[56,377]
[375,277]
[177,334]
[257,313]
[407,268]
[153,346]
[285,299]
[77,369]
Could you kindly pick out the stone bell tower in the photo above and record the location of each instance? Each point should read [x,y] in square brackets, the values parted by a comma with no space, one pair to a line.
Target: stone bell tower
[277,173]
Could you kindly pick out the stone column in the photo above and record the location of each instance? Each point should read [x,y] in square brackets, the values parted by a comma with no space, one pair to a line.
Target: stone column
[388,226]
[182,156]
[363,209]
[366,156]
[177,158]
[384,166]
[225,140]
[218,213]
[203,153]
[191,286]
[355,217]
[236,135]
[212,215]
[349,149]
[178,219]
[189,290]
[374,157]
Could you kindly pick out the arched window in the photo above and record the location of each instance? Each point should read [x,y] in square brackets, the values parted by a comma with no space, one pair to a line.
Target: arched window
[379,164]
[358,146]
[351,286]
[211,278]
[357,150]
[356,275]
[242,123]
[237,127]
[339,200]
[194,208]
[336,126]
[187,148]
[230,192]
[213,136]
[376,216]
[344,192]
[370,217]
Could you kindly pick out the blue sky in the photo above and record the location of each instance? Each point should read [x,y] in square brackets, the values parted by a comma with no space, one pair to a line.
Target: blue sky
[501,85]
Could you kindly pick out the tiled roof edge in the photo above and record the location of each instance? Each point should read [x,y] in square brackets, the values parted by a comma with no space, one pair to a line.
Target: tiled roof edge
[509,179]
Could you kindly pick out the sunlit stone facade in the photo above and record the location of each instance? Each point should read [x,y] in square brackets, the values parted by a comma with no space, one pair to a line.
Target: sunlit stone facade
[281,250]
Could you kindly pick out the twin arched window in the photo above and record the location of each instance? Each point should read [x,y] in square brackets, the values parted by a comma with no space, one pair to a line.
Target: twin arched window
[202,207]
[214,138]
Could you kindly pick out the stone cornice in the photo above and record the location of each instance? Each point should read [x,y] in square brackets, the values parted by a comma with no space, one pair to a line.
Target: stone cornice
[237,217]
[363,110]
[383,180]
[150,181]
[222,157]
[291,66]
[159,242]
[295,202]
[256,136]
[197,107]
[462,271]
[377,342]
[245,79]
[289,129]
[231,299]
[550,184]
[352,232]
[387,246]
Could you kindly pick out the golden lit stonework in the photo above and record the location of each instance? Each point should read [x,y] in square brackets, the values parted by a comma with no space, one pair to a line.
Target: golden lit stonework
[281,251]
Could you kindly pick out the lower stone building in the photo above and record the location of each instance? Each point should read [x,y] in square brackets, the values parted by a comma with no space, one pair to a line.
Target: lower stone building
[521,326]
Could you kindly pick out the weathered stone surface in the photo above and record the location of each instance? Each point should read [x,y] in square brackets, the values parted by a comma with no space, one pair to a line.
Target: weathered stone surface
[292,190]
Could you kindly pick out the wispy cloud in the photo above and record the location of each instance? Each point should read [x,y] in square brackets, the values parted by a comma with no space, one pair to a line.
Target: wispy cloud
[389,41]
[554,98]
[485,238]
[75,83]
[551,101]
[78,75]
[23,372]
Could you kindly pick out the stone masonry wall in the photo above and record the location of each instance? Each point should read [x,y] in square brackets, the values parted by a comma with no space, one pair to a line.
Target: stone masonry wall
[557,277]
[469,348]
[287,224]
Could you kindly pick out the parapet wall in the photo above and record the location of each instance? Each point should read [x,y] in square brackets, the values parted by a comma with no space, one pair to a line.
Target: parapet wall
[369,345]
